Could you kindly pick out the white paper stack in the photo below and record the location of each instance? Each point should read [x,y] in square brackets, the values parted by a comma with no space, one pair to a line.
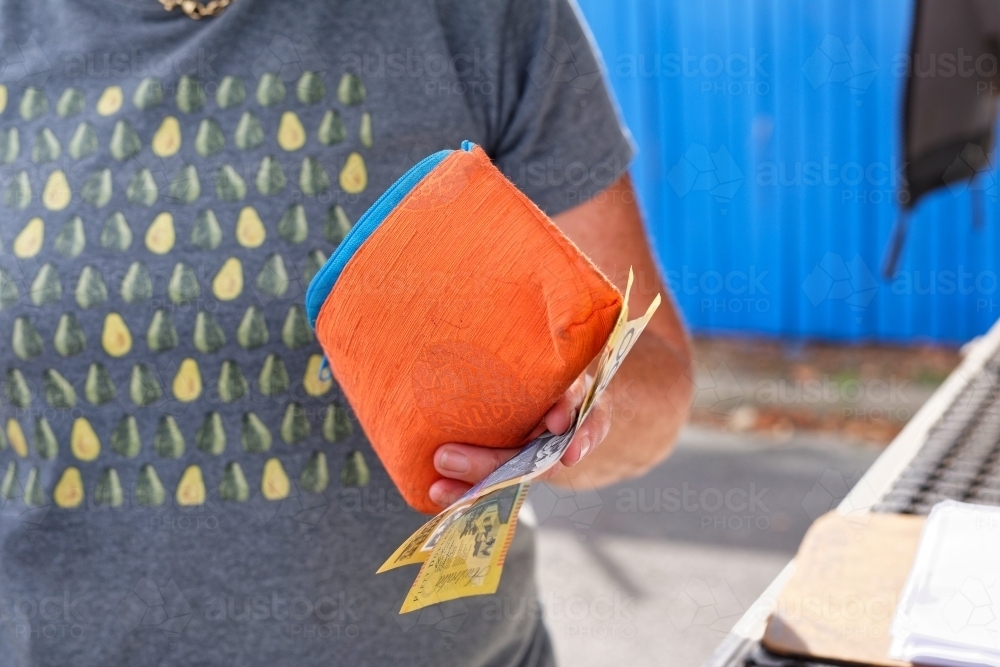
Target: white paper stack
[949,611]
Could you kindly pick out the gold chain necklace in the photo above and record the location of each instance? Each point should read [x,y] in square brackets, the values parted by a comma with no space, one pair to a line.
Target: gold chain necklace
[197,10]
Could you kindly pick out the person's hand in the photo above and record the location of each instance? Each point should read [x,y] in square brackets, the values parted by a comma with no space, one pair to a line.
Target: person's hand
[464,465]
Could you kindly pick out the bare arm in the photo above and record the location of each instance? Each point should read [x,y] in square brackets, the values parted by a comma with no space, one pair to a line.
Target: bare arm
[650,395]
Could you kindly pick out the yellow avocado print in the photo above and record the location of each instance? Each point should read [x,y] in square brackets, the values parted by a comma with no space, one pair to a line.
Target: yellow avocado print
[274,483]
[228,282]
[69,489]
[160,236]
[3,98]
[167,139]
[29,241]
[354,175]
[83,441]
[191,488]
[250,232]
[110,101]
[291,134]
[16,438]
[187,382]
[56,194]
[116,339]
[312,382]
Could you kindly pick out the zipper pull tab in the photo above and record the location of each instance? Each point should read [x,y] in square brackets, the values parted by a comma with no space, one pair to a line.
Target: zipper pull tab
[324,370]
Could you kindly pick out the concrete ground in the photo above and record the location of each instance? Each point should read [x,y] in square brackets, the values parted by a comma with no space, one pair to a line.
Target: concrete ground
[656,571]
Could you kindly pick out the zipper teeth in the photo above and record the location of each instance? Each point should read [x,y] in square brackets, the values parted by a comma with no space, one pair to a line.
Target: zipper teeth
[375,208]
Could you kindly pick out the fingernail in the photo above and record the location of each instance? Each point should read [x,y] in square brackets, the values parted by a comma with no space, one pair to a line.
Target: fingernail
[583,445]
[437,497]
[453,461]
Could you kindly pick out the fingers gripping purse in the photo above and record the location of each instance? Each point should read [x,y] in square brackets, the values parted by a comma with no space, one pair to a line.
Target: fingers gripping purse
[455,311]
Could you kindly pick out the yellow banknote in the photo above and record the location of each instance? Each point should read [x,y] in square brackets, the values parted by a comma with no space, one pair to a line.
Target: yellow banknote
[467,559]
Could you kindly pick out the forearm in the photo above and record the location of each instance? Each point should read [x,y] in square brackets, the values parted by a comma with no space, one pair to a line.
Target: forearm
[649,399]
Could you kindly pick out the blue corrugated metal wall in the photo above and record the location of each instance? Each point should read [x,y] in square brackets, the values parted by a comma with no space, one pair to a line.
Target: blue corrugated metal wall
[769,167]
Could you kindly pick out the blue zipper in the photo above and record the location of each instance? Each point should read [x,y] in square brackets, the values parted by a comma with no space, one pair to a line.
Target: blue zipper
[326,277]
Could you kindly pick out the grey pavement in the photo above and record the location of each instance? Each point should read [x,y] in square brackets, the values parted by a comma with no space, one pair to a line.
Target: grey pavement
[655,571]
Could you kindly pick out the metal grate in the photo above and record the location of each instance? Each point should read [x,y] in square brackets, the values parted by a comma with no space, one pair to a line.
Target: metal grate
[961,458]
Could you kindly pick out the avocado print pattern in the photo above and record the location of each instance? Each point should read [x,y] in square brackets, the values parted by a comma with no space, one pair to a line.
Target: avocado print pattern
[159,237]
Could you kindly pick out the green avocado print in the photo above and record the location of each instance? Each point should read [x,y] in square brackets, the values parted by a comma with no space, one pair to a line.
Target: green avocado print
[293,227]
[71,240]
[34,494]
[270,177]
[71,102]
[168,441]
[229,185]
[234,485]
[16,388]
[231,92]
[9,488]
[83,142]
[337,225]
[336,424]
[295,332]
[273,278]
[211,436]
[148,94]
[185,187]
[142,188]
[210,139]
[25,340]
[149,491]
[161,335]
[331,129]
[115,233]
[365,133]
[294,425]
[96,191]
[46,288]
[90,288]
[34,103]
[270,90]
[124,141]
[312,178]
[69,338]
[59,393]
[125,440]
[273,376]
[3,440]
[190,95]
[46,148]
[232,383]
[183,286]
[208,335]
[9,294]
[206,233]
[355,471]
[137,286]
[45,440]
[249,133]
[252,332]
[18,194]
[143,387]
[99,388]
[310,88]
[108,492]
[254,436]
[10,145]
[315,476]
[314,261]
[351,90]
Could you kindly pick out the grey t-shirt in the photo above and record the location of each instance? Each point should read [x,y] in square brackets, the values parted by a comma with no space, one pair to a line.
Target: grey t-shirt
[178,485]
